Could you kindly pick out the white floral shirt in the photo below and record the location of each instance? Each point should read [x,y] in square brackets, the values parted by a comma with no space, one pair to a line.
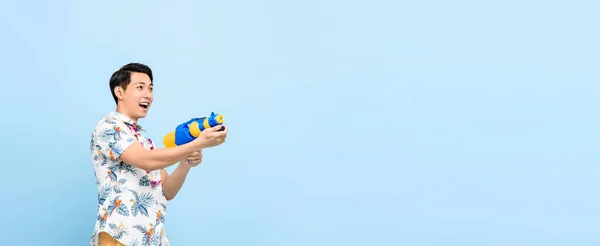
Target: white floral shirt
[131,203]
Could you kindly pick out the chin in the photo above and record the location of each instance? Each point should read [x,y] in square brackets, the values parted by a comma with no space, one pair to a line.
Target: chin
[142,115]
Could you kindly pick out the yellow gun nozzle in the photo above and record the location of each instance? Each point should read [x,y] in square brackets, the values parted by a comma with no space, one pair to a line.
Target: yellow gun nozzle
[220,119]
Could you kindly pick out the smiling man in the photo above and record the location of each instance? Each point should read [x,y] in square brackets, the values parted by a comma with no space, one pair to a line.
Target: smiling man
[133,186]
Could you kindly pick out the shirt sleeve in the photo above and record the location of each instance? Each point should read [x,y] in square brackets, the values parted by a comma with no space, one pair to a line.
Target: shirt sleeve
[112,138]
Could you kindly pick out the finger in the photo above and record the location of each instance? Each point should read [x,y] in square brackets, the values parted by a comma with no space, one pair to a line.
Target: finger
[196,156]
[220,132]
[213,129]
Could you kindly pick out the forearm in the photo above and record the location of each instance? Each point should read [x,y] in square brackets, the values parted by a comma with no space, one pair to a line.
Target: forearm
[165,157]
[175,181]
[159,158]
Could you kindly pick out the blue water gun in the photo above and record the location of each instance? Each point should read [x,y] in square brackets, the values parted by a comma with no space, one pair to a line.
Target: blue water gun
[190,130]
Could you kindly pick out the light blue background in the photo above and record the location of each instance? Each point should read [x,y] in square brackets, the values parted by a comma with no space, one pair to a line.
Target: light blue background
[352,122]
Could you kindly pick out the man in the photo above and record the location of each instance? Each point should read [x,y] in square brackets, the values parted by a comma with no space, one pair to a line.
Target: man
[133,186]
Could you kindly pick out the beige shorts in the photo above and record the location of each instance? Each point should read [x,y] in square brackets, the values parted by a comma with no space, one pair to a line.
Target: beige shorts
[105,239]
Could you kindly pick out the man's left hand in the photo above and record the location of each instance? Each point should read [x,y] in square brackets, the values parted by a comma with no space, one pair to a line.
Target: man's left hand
[195,159]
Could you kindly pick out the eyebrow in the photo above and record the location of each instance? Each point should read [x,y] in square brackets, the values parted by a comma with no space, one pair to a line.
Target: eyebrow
[142,82]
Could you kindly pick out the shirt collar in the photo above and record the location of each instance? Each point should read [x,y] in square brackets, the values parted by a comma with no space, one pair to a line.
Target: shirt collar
[118,116]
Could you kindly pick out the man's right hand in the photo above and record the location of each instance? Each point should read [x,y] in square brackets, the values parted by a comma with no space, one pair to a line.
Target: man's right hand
[212,137]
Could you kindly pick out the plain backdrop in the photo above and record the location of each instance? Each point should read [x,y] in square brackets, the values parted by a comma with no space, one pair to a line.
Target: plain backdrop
[351,122]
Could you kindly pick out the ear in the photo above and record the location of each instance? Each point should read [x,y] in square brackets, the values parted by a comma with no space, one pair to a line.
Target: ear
[119,92]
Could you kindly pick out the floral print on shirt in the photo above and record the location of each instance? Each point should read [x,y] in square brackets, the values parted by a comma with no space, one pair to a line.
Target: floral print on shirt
[131,204]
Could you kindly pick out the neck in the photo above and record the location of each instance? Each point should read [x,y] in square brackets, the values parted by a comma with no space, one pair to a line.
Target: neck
[122,111]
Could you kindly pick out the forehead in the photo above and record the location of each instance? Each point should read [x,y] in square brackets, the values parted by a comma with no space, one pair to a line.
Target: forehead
[140,78]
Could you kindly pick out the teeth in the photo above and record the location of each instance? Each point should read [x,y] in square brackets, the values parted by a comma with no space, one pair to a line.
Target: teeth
[144,103]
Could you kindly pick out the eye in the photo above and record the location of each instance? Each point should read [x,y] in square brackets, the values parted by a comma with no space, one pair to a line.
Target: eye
[140,87]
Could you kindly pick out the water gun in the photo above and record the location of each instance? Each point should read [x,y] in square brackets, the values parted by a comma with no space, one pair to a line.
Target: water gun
[190,130]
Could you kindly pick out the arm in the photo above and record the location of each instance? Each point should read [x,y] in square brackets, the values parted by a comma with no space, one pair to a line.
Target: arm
[122,144]
[116,141]
[161,158]
[172,184]
[136,155]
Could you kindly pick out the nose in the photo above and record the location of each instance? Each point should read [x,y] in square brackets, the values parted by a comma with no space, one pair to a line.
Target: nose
[148,94]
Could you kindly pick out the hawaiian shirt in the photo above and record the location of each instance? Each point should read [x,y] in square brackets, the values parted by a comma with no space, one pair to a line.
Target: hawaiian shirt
[131,203]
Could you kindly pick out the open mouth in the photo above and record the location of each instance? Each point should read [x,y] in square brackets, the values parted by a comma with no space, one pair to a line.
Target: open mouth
[144,105]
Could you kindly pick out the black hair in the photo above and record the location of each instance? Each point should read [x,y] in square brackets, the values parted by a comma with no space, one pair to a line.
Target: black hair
[122,77]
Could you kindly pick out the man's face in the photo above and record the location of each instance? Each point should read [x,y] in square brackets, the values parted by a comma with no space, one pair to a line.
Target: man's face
[137,99]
